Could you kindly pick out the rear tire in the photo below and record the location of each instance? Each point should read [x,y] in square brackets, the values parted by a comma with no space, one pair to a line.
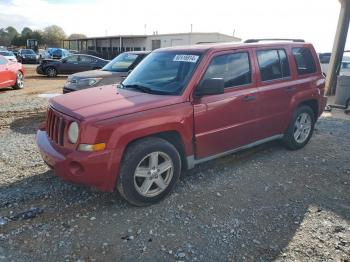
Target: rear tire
[149,170]
[300,128]
[19,81]
[51,72]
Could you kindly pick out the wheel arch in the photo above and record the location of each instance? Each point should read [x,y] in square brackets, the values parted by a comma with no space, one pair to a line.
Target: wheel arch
[313,104]
[171,136]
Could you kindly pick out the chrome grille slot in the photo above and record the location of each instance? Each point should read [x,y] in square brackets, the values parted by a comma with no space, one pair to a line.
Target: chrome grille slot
[55,126]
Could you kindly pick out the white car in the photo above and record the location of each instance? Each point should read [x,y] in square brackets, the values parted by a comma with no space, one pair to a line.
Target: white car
[9,55]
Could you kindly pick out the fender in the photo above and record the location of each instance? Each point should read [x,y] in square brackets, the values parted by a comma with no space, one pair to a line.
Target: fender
[310,94]
[119,132]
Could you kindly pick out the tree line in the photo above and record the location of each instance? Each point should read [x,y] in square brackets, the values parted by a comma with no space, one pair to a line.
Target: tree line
[50,36]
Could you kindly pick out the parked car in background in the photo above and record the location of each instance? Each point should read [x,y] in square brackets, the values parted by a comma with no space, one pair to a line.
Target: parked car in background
[59,53]
[344,68]
[179,107]
[27,56]
[9,55]
[70,65]
[11,74]
[43,54]
[112,73]
[324,57]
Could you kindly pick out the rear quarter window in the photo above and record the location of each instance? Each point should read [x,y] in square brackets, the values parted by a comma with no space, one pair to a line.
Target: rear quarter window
[304,60]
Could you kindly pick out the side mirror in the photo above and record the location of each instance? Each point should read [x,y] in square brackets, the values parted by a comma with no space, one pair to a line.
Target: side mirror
[210,86]
[64,61]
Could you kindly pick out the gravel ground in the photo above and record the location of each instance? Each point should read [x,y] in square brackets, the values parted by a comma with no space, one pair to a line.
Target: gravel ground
[27,98]
[262,204]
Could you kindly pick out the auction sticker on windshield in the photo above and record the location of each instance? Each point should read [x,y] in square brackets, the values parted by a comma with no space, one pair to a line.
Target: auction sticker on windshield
[186,58]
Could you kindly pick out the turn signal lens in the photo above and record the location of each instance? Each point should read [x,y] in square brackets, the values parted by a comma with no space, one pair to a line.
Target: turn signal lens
[92,148]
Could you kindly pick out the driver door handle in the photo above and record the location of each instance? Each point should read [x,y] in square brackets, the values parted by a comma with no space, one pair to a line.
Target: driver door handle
[249,98]
[290,89]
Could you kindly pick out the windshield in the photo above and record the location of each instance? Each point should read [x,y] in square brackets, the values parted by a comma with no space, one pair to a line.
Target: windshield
[345,65]
[6,53]
[27,52]
[121,63]
[163,73]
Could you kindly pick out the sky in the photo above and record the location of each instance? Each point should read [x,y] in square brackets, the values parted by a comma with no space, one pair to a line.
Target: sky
[312,20]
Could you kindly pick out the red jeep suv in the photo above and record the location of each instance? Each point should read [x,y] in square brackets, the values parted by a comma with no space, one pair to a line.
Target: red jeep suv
[182,106]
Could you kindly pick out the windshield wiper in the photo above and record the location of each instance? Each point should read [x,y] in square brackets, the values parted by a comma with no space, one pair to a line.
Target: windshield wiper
[143,89]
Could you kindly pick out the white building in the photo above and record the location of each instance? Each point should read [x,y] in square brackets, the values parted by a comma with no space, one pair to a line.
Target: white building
[110,46]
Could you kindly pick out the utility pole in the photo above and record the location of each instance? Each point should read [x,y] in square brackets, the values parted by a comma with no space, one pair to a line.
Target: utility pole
[338,46]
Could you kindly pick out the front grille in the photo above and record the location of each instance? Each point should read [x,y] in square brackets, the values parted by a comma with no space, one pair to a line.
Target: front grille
[55,126]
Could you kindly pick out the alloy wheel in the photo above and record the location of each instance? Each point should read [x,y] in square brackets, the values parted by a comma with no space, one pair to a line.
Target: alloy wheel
[302,128]
[19,80]
[153,174]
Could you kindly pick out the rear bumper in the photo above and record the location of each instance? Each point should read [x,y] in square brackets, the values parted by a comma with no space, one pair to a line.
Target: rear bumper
[323,103]
[96,169]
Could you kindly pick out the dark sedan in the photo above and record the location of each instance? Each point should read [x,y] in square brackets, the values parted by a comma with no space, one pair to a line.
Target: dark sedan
[70,65]
[27,56]
[113,73]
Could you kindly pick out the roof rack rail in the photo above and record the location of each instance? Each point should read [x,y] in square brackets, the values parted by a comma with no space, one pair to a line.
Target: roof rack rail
[273,39]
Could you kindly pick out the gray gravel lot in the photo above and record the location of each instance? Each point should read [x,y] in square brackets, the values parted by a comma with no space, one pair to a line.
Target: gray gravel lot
[262,204]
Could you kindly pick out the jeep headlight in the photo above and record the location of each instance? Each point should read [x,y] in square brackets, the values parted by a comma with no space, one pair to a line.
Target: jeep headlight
[88,81]
[73,132]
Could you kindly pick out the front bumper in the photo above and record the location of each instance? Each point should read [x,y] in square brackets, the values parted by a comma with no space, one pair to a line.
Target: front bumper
[67,90]
[96,169]
[40,70]
[29,60]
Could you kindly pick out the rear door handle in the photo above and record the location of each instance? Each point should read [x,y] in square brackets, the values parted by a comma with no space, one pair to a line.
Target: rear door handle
[249,98]
[290,89]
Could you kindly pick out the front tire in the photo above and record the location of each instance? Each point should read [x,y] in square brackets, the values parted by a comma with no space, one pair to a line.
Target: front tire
[150,169]
[51,72]
[19,81]
[300,128]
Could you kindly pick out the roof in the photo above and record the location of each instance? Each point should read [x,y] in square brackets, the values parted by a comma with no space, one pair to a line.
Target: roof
[145,36]
[137,52]
[201,48]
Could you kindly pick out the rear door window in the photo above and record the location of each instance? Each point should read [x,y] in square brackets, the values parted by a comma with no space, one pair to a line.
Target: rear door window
[72,59]
[304,60]
[233,68]
[86,59]
[273,64]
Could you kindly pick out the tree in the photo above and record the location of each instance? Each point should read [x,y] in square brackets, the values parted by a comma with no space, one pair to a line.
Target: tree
[4,37]
[76,36]
[38,35]
[18,40]
[53,36]
[12,32]
[26,32]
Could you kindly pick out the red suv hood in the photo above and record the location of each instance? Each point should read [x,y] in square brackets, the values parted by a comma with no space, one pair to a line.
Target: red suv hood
[108,101]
